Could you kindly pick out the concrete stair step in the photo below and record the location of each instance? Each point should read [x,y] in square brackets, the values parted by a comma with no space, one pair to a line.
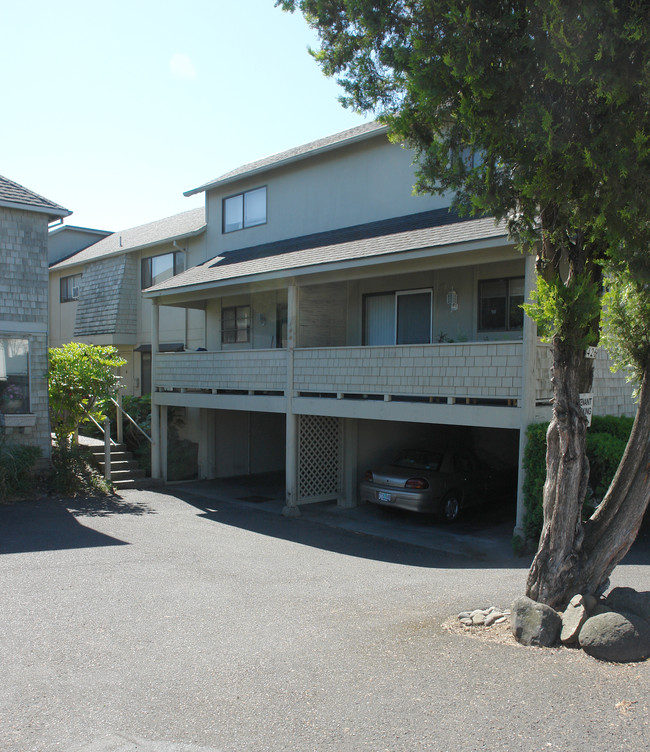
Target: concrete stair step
[136,483]
[121,464]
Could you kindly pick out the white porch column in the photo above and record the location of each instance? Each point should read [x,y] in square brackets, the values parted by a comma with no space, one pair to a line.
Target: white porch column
[291,461]
[164,412]
[155,410]
[350,450]
[527,407]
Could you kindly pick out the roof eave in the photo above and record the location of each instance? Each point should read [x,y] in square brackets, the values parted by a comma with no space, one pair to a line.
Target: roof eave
[131,249]
[52,213]
[461,246]
[287,161]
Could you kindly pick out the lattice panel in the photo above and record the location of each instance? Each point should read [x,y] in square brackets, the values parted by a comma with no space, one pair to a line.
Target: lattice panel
[320,457]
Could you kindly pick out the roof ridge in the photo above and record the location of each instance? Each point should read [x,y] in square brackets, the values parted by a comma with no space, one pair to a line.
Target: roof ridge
[301,151]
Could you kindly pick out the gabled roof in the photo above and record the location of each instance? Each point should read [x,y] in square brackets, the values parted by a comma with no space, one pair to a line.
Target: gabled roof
[414,232]
[344,138]
[15,196]
[75,228]
[180,226]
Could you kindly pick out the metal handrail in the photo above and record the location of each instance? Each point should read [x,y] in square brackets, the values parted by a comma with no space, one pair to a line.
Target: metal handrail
[100,428]
[123,411]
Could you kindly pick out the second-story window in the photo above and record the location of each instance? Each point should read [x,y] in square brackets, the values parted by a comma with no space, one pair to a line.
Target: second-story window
[236,324]
[156,269]
[70,288]
[246,209]
[500,302]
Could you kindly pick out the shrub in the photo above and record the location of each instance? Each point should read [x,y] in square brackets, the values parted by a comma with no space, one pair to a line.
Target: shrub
[74,472]
[606,441]
[16,463]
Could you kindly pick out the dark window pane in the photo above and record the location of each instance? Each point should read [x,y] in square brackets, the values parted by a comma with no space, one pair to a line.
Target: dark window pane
[414,318]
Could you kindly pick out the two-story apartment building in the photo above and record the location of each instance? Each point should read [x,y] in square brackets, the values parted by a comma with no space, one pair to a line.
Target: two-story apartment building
[345,317]
[24,220]
[95,293]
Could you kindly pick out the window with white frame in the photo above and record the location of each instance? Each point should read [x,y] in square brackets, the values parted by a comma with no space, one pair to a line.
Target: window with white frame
[70,288]
[14,375]
[235,324]
[500,302]
[156,269]
[398,318]
[247,209]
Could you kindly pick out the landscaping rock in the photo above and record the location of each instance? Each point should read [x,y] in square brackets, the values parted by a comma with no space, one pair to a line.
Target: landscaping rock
[535,623]
[616,637]
[574,616]
[483,617]
[629,601]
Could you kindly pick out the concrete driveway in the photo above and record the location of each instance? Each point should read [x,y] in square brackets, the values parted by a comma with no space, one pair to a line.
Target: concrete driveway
[192,620]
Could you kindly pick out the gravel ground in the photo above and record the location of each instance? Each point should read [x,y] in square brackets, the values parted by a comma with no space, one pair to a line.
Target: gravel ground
[166,623]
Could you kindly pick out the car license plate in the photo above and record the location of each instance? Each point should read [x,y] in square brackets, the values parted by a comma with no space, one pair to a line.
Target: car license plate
[383,496]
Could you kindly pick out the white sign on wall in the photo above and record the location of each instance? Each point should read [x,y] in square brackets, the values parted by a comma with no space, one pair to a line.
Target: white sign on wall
[587,405]
[590,352]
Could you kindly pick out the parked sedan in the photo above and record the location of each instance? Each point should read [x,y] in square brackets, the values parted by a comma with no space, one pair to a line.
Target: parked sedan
[440,482]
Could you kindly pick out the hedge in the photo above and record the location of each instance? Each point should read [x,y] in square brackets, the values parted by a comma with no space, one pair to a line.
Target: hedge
[606,441]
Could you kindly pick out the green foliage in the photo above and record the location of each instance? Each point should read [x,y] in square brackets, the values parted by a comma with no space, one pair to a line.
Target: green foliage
[606,441]
[626,316]
[139,408]
[16,465]
[526,110]
[74,472]
[604,451]
[535,476]
[80,377]
[565,311]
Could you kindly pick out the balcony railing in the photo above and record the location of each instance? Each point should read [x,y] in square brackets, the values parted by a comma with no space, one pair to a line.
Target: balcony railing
[233,370]
[485,370]
[479,370]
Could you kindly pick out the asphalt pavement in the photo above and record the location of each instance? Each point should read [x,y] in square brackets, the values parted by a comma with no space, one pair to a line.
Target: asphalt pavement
[198,619]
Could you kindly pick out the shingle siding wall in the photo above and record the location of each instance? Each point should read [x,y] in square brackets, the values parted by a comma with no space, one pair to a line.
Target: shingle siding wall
[448,370]
[108,298]
[612,392]
[244,369]
[23,300]
[23,266]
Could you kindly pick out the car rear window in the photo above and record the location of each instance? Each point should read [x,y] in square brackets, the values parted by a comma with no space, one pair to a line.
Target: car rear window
[418,460]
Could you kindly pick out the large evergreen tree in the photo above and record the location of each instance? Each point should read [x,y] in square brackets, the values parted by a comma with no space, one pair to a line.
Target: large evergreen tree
[537,113]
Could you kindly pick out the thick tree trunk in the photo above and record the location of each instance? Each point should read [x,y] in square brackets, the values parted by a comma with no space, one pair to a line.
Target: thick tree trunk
[574,557]
[567,477]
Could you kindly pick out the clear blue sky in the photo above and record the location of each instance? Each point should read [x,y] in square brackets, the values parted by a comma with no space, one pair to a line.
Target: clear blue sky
[114,109]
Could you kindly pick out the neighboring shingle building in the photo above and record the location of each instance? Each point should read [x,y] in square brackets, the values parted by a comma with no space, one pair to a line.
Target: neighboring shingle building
[95,294]
[24,219]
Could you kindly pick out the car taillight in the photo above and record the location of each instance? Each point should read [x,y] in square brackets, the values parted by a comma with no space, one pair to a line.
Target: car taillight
[417,483]
[368,476]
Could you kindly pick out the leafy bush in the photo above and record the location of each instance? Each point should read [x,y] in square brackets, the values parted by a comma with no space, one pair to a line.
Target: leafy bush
[80,377]
[535,476]
[604,451]
[74,472]
[606,441]
[16,463]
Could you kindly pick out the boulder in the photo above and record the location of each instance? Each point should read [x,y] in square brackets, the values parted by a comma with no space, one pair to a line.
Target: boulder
[574,616]
[534,623]
[616,637]
[629,601]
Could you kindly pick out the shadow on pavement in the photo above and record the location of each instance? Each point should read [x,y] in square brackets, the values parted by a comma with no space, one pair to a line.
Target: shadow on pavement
[47,525]
[334,532]
[105,506]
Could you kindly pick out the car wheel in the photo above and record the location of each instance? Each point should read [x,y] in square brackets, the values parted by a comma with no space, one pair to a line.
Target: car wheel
[451,507]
